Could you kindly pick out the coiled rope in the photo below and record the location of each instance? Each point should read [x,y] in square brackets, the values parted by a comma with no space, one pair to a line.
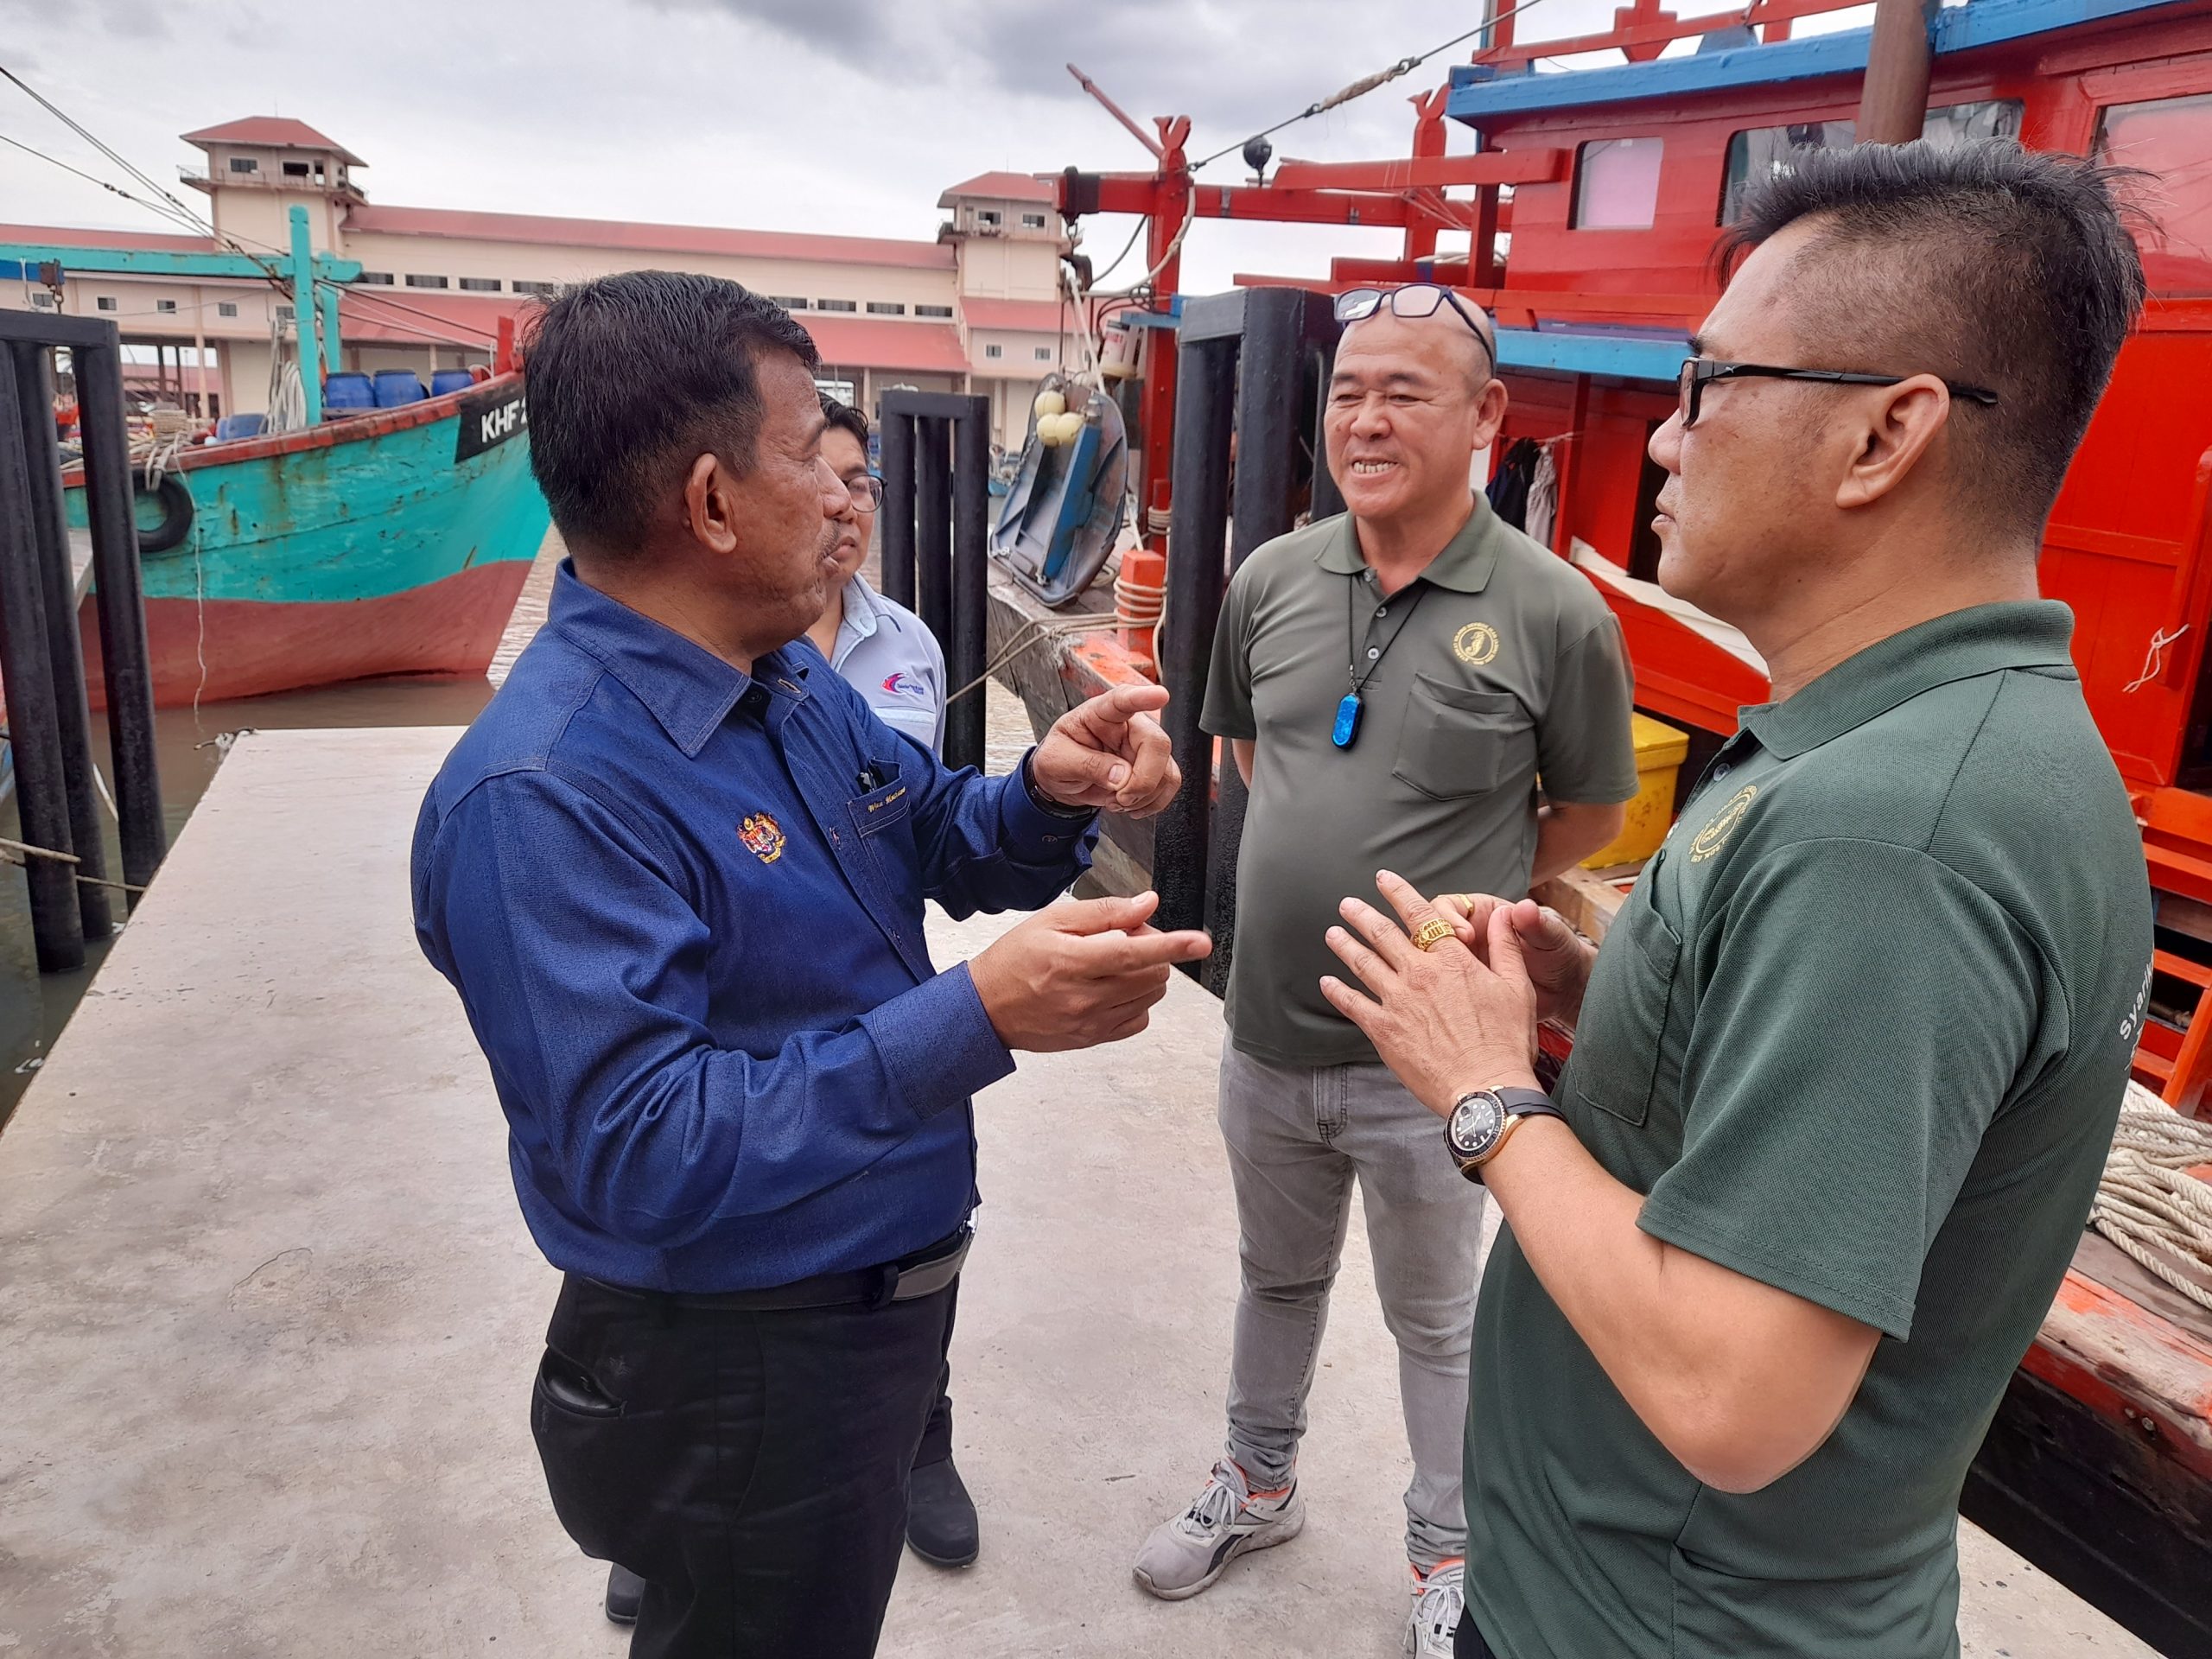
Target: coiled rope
[2149,1204]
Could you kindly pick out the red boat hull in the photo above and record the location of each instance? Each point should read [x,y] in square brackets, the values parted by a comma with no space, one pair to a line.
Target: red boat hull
[253,647]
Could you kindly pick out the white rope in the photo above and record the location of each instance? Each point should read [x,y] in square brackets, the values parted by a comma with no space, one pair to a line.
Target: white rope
[2149,1204]
[2154,658]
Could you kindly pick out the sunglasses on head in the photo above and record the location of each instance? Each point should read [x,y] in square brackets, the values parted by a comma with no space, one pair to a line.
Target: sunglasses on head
[1414,302]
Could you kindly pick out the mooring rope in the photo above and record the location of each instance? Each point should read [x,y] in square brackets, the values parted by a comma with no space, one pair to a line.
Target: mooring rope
[2149,1204]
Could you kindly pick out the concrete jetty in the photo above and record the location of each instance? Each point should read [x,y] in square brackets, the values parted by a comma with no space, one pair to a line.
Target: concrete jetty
[269,1316]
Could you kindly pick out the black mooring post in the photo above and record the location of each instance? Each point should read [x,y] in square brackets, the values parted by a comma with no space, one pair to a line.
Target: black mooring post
[1197,523]
[125,663]
[65,653]
[1271,421]
[1328,500]
[27,681]
[933,527]
[964,657]
[897,518]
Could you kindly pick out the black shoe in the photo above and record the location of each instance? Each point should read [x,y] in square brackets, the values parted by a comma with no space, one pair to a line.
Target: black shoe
[941,1516]
[624,1591]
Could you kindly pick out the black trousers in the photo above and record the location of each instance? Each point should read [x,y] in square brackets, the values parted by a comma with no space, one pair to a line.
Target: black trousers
[750,1467]
[1467,1641]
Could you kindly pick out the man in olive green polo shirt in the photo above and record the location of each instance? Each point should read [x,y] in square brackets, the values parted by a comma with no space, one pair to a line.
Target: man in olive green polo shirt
[1393,681]
[1846,1069]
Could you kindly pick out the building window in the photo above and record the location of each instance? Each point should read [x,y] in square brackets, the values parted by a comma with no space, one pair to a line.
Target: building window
[481,284]
[42,302]
[105,303]
[542,289]
[165,307]
[296,170]
[1043,353]
[885,309]
[381,278]
[245,164]
[835,305]
[284,313]
[789,302]
[1033,221]
[933,311]
[988,217]
[2169,138]
[993,351]
[416,280]
[226,307]
[1761,155]
[1617,184]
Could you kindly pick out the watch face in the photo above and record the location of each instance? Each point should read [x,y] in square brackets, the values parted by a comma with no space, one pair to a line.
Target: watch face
[1475,1125]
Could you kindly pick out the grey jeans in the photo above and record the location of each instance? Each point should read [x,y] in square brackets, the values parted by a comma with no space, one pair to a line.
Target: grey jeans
[1298,1137]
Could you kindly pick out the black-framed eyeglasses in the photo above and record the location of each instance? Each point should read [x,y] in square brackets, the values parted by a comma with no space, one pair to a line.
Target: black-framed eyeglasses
[866,492]
[1698,373]
[1413,301]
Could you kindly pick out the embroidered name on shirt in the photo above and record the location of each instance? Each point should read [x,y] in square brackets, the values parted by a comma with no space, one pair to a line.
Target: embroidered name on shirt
[1475,645]
[1711,839]
[763,838]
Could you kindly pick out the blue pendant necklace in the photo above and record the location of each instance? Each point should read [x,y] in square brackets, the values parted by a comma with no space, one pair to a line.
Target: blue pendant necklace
[1346,730]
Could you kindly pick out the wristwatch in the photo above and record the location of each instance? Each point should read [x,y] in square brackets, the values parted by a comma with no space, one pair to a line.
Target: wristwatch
[1045,802]
[1482,1119]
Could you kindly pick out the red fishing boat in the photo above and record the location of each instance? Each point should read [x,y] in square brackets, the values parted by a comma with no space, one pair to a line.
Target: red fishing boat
[1586,220]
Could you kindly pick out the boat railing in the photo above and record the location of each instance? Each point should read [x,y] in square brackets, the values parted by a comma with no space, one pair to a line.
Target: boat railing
[1642,31]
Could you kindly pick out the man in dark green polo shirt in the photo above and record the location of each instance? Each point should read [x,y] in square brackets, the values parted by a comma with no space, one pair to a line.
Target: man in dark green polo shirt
[1394,682]
[1846,1068]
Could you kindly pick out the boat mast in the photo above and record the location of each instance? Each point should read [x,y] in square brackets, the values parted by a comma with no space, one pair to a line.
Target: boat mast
[303,317]
[1893,99]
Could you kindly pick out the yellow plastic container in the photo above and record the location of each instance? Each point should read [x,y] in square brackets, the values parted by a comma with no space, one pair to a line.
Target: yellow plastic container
[1660,751]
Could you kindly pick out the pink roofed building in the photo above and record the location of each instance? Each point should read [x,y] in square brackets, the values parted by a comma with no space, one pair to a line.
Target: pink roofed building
[977,309]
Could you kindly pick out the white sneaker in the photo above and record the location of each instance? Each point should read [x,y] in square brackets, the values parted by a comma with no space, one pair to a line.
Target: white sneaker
[1438,1598]
[1183,1556]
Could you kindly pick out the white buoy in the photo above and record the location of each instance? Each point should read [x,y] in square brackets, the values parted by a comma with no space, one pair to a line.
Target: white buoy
[1049,402]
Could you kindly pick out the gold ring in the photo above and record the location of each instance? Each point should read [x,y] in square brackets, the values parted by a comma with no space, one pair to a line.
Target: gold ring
[1432,933]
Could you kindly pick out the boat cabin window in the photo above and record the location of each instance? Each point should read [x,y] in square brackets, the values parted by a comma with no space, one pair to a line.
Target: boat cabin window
[1617,183]
[2169,138]
[1761,154]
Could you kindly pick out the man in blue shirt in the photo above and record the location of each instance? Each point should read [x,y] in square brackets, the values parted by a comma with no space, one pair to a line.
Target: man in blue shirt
[676,872]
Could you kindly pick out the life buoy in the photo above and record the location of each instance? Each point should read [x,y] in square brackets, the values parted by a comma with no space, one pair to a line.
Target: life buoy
[176,512]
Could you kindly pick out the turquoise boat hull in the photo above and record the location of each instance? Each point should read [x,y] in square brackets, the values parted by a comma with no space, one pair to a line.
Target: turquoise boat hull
[395,542]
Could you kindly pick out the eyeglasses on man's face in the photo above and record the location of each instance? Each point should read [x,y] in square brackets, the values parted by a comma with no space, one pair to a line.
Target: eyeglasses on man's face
[1414,300]
[1698,373]
[866,492]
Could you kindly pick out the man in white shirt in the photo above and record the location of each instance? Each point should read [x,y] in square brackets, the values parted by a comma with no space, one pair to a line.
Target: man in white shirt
[877,645]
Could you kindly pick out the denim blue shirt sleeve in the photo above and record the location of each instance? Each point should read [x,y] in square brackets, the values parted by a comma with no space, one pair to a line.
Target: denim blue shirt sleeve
[683,910]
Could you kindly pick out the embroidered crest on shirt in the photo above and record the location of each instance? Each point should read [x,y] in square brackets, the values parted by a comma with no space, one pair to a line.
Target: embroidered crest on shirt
[763,838]
[1475,645]
[1711,839]
[899,684]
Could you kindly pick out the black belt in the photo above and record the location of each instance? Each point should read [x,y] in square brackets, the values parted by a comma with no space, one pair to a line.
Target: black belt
[924,1273]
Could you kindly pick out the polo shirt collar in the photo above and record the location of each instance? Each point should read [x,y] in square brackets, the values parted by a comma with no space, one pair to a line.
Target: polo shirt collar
[1981,639]
[862,616]
[690,690]
[1464,566]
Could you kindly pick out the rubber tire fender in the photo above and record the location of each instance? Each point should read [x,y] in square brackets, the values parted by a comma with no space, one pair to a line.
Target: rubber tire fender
[176,512]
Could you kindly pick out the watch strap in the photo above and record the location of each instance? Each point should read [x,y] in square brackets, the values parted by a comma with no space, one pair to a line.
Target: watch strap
[1528,1103]
[1045,802]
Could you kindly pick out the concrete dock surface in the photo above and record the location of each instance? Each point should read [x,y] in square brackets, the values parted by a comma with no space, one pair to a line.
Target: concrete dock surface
[268,1315]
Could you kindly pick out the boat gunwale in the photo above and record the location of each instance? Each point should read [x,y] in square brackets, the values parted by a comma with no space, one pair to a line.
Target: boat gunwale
[326,435]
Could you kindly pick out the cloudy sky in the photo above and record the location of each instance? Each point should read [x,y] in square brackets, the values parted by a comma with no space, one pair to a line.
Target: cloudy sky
[845,116]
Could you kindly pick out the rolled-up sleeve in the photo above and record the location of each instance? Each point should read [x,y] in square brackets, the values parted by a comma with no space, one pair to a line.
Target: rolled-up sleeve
[590,997]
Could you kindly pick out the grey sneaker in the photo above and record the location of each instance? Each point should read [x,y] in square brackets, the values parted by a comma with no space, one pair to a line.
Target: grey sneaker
[1183,1556]
[1438,1596]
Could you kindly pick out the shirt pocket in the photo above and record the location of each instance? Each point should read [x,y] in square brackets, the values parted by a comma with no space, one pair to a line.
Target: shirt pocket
[1622,1064]
[1458,741]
